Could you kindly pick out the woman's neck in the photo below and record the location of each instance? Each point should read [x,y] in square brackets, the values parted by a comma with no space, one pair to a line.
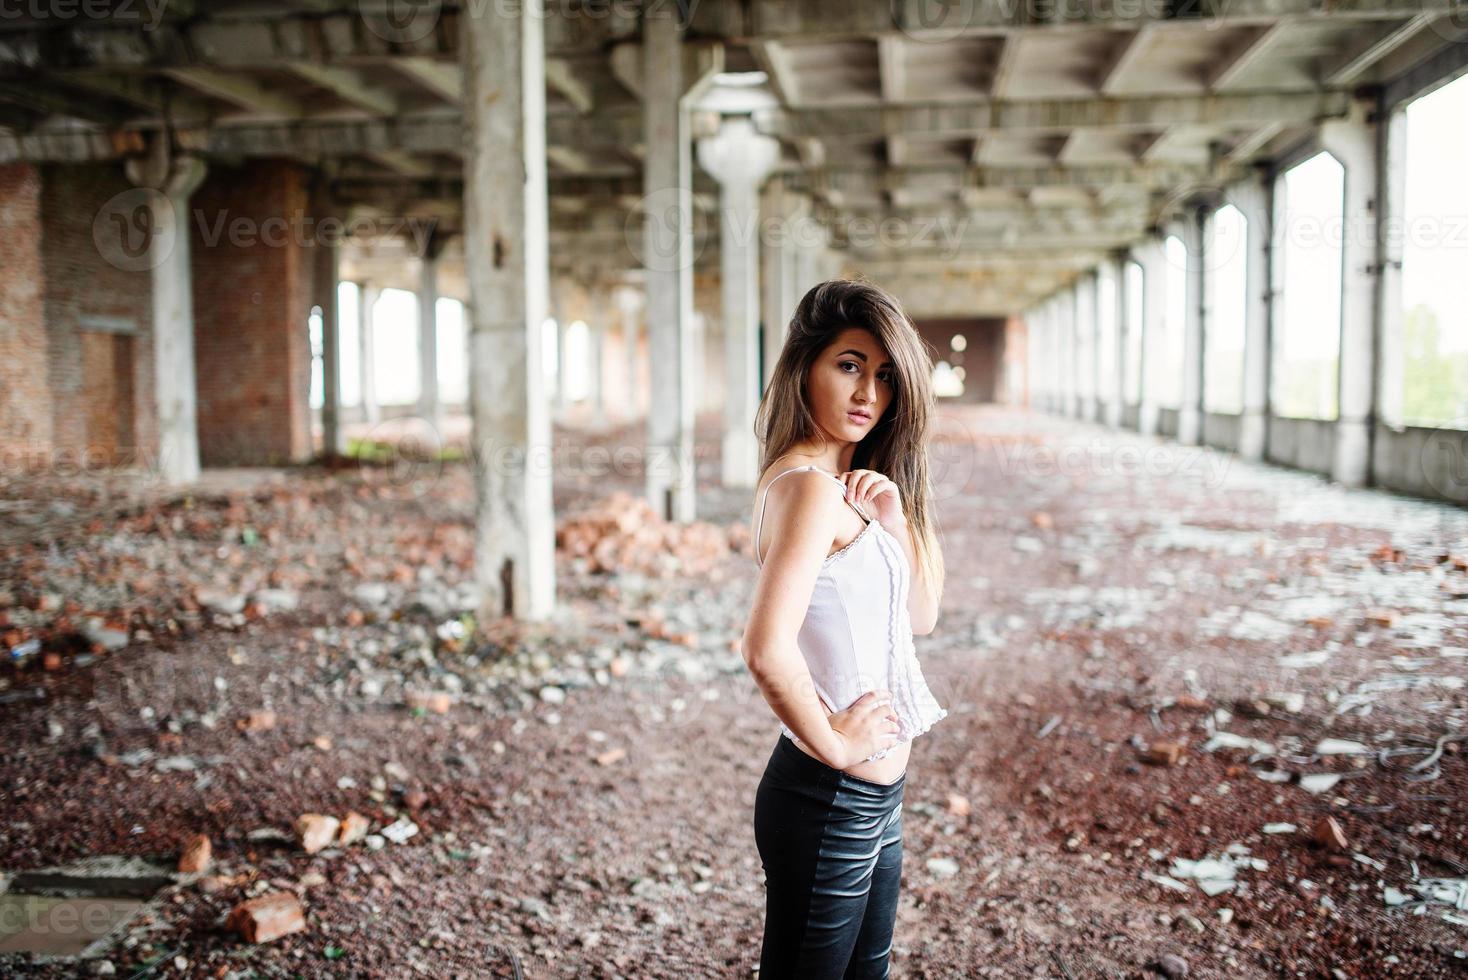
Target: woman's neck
[832,456]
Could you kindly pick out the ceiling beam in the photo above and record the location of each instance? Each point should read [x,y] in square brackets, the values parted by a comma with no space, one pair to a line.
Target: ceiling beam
[239,90]
[1235,62]
[1004,67]
[1366,51]
[442,78]
[1121,58]
[1052,115]
[774,61]
[561,77]
[349,86]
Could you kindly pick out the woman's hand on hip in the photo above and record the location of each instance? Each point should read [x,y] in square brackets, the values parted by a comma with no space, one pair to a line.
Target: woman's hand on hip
[867,727]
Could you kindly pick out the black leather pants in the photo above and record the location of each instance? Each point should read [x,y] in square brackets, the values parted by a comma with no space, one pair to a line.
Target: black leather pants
[831,845]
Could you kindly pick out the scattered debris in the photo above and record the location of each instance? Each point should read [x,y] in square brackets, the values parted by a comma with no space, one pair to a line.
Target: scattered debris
[270,916]
[1329,834]
[197,855]
[316,831]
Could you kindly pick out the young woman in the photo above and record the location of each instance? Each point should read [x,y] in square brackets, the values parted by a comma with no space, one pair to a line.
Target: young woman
[850,568]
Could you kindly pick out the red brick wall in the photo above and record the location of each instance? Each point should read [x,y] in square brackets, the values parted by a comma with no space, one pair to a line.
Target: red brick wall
[81,283]
[252,299]
[981,359]
[25,404]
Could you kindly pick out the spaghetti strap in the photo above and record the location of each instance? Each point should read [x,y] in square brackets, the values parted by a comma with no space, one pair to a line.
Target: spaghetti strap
[765,495]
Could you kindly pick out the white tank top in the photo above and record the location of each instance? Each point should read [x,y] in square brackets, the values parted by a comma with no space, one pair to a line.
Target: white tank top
[857,635]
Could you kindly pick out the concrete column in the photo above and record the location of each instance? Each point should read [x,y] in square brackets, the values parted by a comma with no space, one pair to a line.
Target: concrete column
[327,277]
[773,315]
[1057,359]
[506,240]
[367,351]
[1116,384]
[1390,378]
[739,158]
[172,180]
[629,307]
[1151,255]
[668,257]
[1252,200]
[1070,399]
[1190,412]
[600,303]
[1085,346]
[563,370]
[1035,346]
[1353,141]
[428,404]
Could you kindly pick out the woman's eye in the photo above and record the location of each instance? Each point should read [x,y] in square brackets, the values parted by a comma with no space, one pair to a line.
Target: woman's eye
[885,378]
[851,364]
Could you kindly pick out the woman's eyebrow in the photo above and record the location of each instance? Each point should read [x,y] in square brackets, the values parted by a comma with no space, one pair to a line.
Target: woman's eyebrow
[862,356]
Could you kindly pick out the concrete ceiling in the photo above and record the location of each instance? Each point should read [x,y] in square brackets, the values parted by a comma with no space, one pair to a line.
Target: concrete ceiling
[1024,139]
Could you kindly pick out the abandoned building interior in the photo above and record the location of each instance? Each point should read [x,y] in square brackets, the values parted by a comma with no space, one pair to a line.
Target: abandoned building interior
[340,275]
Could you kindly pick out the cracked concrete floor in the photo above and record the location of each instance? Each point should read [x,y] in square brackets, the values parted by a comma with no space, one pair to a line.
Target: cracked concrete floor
[1105,593]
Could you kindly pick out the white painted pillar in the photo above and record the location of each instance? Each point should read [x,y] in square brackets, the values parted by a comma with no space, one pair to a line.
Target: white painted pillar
[563,365]
[1116,384]
[1085,342]
[328,276]
[169,182]
[1036,346]
[367,295]
[507,239]
[1057,356]
[1151,255]
[428,402]
[1070,390]
[1190,412]
[739,158]
[597,396]
[1353,141]
[1252,200]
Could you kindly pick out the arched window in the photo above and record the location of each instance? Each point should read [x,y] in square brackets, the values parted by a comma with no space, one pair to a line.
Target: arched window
[1134,283]
[1435,261]
[1226,293]
[578,361]
[550,345]
[1106,366]
[1169,373]
[1310,198]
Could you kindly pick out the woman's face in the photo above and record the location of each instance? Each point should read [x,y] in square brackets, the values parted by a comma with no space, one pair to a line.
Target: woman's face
[850,385]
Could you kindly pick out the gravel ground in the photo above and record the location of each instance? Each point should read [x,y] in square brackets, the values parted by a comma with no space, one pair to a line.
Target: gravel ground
[1105,593]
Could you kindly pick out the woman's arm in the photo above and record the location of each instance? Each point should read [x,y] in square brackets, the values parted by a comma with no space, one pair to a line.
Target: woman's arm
[805,520]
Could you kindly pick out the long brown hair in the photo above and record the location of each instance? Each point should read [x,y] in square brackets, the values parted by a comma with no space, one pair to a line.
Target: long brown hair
[897,446]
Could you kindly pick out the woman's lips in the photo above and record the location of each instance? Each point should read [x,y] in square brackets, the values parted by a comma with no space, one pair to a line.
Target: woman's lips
[858,418]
